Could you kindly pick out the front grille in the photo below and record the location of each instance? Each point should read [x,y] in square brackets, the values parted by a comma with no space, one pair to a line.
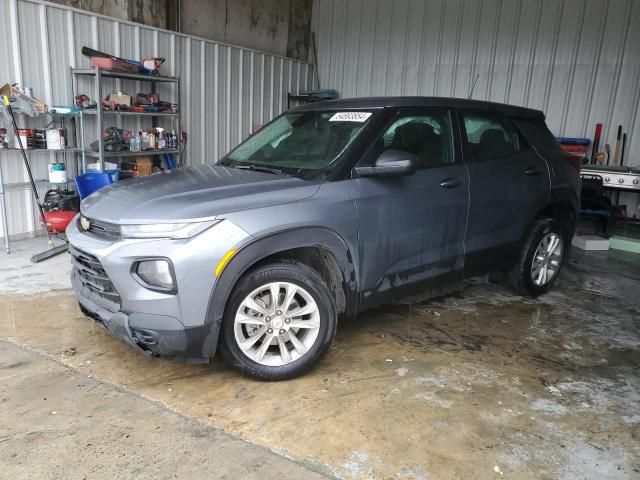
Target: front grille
[93,277]
[110,231]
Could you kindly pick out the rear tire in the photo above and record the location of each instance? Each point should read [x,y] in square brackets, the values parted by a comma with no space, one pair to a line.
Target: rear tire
[281,340]
[541,259]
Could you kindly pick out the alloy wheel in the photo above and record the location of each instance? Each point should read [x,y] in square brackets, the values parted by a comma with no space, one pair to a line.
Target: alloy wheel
[277,323]
[546,259]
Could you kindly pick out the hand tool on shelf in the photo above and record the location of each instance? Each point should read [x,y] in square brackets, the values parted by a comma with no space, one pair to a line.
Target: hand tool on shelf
[616,155]
[596,142]
[111,61]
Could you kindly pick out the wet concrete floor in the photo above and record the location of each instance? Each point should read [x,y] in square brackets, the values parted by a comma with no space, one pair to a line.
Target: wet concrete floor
[481,384]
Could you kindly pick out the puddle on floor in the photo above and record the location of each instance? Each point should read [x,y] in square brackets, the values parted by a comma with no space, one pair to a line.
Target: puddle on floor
[450,388]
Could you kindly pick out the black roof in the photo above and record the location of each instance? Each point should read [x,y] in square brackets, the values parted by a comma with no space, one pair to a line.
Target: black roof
[382,102]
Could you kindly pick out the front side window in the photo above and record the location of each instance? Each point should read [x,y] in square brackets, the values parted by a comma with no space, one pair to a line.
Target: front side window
[489,136]
[425,134]
[300,143]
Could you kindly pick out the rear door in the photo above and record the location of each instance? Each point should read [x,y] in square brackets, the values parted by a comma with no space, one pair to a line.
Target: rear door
[411,228]
[507,181]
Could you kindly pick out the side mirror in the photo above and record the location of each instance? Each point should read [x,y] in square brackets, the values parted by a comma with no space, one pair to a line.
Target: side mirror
[390,163]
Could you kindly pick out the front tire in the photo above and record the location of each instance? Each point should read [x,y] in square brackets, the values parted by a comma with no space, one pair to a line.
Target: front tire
[541,259]
[279,322]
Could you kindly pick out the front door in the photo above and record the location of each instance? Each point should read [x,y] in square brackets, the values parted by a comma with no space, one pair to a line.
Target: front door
[411,228]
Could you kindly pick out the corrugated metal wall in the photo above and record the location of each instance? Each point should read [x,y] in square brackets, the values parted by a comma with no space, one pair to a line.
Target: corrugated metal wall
[225,89]
[577,60]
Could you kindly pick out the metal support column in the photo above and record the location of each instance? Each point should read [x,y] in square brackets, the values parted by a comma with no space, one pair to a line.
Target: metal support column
[98,97]
[3,212]
[82,146]
[180,161]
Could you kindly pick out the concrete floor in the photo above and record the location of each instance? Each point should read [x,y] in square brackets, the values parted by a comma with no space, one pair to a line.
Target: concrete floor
[19,275]
[484,384]
[62,424]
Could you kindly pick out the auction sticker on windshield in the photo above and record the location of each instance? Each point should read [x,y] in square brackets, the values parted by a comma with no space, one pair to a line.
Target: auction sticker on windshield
[350,117]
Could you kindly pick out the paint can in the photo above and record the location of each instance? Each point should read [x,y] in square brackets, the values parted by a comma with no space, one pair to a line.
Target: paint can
[26,137]
[56,138]
[57,173]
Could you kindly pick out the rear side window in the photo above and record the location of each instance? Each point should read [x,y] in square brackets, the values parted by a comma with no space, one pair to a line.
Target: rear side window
[426,134]
[489,136]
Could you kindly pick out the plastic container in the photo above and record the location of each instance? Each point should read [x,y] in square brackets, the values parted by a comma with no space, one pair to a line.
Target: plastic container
[110,168]
[95,167]
[57,173]
[56,138]
[89,182]
[114,174]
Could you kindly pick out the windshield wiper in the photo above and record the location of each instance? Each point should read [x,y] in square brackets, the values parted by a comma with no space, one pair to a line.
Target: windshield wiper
[259,168]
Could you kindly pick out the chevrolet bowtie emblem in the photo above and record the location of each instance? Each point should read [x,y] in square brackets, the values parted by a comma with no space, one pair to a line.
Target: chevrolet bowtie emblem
[85,223]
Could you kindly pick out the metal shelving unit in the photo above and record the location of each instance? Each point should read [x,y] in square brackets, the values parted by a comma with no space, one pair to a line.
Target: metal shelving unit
[98,75]
[40,150]
[126,153]
[16,186]
[101,72]
[133,114]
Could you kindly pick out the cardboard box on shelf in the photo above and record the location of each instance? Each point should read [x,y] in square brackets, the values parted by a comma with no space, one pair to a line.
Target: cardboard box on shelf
[120,98]
[145,166]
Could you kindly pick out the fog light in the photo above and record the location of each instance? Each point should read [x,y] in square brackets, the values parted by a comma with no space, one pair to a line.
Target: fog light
[156,273]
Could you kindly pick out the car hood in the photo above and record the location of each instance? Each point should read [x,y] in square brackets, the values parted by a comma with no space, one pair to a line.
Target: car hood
[192,193]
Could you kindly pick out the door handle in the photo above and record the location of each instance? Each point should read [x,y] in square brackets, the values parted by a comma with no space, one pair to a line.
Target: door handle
[532,171]
[450,182]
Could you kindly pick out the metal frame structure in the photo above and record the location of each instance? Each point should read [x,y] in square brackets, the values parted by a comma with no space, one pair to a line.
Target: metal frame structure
[98,75]
[3,213]
[4,188]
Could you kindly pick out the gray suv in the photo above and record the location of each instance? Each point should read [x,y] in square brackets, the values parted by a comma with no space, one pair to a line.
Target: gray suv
[331,209]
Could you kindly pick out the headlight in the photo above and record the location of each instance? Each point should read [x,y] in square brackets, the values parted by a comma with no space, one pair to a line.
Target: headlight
[156,273]
[166,230]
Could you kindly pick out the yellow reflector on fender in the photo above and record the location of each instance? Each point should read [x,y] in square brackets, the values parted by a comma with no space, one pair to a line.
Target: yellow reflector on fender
[223,261]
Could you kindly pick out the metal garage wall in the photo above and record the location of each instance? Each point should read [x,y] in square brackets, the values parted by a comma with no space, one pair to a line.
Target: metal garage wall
[577,60]
[225,89]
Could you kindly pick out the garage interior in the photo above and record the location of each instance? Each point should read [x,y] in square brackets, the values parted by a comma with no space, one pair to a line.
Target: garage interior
[477,383]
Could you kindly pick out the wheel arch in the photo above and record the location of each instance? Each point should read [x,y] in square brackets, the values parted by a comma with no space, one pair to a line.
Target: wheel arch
[319,248]
[562,205]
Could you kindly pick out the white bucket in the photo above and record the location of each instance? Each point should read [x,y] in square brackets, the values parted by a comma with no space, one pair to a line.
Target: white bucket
[57,173]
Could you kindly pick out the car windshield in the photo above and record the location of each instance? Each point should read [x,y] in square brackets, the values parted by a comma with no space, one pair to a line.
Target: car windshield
[300,143]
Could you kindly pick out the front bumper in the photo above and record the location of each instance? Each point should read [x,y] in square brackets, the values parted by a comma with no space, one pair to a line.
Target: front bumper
[153,323]
[141,331]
